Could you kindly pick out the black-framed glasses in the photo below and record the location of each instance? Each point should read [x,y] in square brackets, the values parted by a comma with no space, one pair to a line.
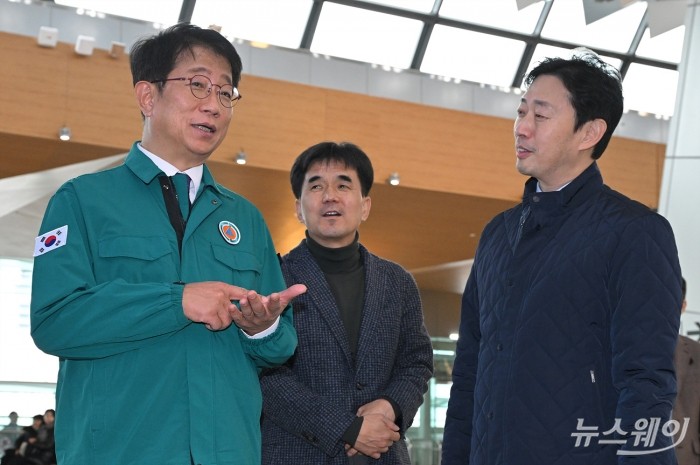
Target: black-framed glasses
[201,88]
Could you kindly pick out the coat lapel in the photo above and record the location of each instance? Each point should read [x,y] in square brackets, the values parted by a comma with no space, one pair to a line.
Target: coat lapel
[373,306]
[306,270]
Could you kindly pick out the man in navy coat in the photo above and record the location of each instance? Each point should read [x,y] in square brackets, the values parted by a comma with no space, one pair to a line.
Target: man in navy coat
[364,357]
[570,314]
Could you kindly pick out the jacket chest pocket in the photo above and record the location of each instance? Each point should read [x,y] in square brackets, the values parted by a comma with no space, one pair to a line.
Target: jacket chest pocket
[238,267]
[134,258]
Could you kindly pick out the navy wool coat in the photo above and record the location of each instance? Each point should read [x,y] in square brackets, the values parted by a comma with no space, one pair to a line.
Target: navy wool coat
[575,322]
[310,402]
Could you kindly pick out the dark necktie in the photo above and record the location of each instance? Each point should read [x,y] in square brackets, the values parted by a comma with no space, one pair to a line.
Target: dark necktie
[182,188]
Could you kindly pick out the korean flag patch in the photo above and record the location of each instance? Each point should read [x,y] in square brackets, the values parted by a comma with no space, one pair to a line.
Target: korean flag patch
[51,241]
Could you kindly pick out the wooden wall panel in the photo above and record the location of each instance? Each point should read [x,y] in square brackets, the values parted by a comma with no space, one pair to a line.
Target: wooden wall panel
[274,122]
[432,148]
[47,88]
[634,168]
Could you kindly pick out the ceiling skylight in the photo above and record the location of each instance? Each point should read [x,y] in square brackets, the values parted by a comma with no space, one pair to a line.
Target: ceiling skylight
[367,36]
[501,14]
[472,56]
[274,22]
[484,41]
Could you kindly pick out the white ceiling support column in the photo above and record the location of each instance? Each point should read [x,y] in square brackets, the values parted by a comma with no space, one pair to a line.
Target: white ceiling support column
[680,190]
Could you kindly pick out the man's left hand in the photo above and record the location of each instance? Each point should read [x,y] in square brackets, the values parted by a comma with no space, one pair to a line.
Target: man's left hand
[257,312]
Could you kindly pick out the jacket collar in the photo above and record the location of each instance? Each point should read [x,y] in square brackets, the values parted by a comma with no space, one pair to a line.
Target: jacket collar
[577,192]
[144,169]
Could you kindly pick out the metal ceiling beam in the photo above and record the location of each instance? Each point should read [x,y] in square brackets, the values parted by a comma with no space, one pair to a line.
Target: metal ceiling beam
[638,36]
[424,39]
[530,46]
[430,20]
[310,30]
[186,11]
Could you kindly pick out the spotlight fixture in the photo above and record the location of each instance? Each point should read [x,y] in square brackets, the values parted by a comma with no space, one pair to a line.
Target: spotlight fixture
[84,45]
[64,133]
[394,179]
[117,49]
[48,36]
[241,158]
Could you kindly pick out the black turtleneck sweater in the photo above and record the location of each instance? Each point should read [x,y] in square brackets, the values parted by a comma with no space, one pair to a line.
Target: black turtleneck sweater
[345,274]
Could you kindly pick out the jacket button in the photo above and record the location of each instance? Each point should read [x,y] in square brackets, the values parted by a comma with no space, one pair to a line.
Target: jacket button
[490,416]
[359,386]
[536,198]
[499,347]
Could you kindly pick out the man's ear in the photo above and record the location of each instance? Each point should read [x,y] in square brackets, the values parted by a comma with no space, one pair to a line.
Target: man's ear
[145,93]
[300,215]
[366,207]
[592,132]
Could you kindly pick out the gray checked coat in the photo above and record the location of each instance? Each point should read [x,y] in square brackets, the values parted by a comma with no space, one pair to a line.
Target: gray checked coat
[309,403]
[687,405]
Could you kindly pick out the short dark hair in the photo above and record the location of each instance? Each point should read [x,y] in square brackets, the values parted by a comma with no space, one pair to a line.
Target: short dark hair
[153,58]
[595,90]
[346,153]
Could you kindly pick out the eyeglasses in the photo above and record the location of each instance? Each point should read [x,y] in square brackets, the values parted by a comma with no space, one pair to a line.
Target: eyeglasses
[201,88]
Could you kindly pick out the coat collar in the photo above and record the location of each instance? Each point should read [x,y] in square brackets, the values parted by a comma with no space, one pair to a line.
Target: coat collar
[144,169]
[576,192]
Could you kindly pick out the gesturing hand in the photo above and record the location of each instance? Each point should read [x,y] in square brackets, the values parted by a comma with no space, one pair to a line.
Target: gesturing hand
[257,313]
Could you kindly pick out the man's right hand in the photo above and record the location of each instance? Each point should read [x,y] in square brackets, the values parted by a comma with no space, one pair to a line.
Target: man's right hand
[210,303]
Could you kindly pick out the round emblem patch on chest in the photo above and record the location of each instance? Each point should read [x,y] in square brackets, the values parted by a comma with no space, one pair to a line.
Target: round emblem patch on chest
[230,232]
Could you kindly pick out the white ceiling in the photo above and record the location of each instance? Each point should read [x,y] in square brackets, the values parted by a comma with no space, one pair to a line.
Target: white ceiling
[483,41]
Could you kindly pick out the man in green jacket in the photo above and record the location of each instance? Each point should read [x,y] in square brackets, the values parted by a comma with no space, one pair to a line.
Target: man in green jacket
[162,311]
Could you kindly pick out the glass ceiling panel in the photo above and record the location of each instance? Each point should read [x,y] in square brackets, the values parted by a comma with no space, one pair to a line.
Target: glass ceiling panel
[421,6]
[502,14]
[164,11]
[469,55]
[566,22]
[367,36]
[666,47]
[275,22]
[362,35]
[636,85]
[641,95]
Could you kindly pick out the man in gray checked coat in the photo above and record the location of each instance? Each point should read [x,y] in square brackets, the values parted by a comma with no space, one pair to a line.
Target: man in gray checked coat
[364,357]
[687,406]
